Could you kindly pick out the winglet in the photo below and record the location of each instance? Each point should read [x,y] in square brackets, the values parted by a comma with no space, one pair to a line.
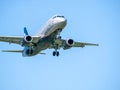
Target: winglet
[25,31]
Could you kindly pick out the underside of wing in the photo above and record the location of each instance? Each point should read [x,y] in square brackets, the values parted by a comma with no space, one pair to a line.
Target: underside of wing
[11,39]
[83,44]
[17,39]
[66,44]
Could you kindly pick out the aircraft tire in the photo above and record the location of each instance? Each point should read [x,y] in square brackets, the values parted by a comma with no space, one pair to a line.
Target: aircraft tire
[57,53]
[59,37]
[54,53]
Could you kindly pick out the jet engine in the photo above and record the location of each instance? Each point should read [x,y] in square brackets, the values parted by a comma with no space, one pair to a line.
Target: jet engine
[27,51]
[68,43]
[28,38]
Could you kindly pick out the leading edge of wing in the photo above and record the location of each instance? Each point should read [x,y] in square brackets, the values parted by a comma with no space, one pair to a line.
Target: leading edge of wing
[60,43]
[17,39]
[83,44]
[11,39]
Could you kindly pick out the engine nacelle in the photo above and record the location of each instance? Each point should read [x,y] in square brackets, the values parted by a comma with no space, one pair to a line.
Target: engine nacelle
[27,52]
[28,38]
[68,43]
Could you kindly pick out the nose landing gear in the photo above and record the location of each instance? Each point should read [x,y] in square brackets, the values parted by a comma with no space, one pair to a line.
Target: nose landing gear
[59,31]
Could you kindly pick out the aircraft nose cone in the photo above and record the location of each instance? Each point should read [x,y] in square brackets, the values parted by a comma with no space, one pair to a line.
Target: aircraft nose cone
[63,20]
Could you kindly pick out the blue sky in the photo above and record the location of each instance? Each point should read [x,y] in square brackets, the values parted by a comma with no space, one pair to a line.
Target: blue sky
[89,68]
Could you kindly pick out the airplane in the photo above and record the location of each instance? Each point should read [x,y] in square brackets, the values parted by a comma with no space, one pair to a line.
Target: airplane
[47,38]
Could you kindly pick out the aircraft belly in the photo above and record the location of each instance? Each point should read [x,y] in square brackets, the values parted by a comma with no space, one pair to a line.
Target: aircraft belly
[42,45]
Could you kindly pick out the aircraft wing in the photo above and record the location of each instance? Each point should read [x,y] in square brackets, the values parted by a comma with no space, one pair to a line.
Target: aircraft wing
[61,43]
[16,39]
[83,44]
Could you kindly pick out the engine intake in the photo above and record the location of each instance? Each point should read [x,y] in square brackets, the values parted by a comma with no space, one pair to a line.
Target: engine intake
[69,42]
[27,51]
[28,38]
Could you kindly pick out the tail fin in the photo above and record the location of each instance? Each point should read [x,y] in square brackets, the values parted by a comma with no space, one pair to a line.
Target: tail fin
[25,31]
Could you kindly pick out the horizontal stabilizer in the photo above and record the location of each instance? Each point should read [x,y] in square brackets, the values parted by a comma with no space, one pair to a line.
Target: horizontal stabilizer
[17,51]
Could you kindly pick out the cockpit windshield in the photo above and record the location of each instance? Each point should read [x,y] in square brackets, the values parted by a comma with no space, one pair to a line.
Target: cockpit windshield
[58,16]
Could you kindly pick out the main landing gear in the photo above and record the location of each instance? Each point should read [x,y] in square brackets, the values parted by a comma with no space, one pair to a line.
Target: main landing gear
[55,53]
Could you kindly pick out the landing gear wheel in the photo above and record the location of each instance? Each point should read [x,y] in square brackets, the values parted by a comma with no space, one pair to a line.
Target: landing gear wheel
[57,53]
[59,31]
[54,53]
[59,37]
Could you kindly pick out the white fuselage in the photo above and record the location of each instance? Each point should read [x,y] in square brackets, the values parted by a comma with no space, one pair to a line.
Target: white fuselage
[53,24]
